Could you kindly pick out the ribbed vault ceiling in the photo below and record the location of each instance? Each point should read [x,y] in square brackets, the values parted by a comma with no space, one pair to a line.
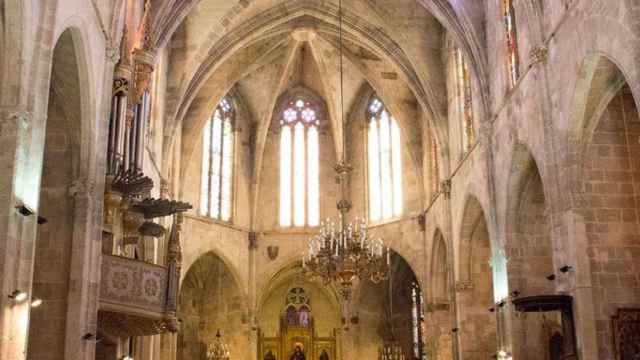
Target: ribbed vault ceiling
[269,46]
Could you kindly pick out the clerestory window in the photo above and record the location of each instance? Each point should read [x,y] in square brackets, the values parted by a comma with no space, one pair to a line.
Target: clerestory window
[217,163]
[299,165]
[384,162]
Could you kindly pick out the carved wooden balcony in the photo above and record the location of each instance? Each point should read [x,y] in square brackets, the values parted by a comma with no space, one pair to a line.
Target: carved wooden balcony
[136,298]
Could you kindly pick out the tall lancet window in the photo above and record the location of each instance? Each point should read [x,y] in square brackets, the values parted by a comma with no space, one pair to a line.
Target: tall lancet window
[217,163]
[464,99]
[299,165]
[511,33]
[385,163]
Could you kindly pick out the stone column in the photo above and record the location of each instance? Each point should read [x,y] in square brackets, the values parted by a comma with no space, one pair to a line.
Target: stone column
[17,232]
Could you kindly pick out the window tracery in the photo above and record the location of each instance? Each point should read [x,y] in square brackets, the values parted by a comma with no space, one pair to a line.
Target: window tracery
[217,163]
[299,165]
[384,163]
[511,32]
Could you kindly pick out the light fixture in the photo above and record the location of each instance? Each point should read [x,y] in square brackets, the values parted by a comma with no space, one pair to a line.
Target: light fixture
[342,252]
[89,337]
[503,355]
[23,209]
[565,269]
[18,296]
[36,302]
[127,357]
[218,350]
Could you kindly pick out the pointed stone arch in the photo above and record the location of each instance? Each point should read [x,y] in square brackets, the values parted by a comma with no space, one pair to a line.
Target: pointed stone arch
[475,290]
[604,128]
[66,161]
[211,299]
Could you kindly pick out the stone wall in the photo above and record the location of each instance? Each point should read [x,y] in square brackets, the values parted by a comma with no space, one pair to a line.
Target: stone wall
[611,214]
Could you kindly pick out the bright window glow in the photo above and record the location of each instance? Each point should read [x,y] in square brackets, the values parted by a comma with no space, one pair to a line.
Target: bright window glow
[299,166]
[385,163]
[285,176]
[217,163]
[299,175]
[313,175]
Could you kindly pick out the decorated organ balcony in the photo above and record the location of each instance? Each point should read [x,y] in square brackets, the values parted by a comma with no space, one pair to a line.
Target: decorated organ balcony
[141,250]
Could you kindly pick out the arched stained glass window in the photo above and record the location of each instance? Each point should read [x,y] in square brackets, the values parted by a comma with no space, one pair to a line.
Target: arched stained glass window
[217,163]
[435,163]
[511,32]
[385,163]
[299,165]
[464,99]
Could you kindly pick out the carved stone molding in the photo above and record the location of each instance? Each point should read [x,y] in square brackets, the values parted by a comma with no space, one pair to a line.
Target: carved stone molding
[538,55]
[446,188]
[134,284]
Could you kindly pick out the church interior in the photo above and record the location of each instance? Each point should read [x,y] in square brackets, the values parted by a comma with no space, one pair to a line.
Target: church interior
[319,179]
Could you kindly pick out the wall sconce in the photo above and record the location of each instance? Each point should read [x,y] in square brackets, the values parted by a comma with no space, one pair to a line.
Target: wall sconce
[127,357]
[36,302]
[503,355]
[18,296]
[23,209]
[565,269]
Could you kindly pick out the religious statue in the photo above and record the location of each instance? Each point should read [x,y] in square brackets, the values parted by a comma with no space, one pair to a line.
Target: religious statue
[324,355]
[298,354]
[269,356]
[304,317]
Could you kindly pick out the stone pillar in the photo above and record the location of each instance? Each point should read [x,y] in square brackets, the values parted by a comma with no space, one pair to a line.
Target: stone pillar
[17,232]
[583,307]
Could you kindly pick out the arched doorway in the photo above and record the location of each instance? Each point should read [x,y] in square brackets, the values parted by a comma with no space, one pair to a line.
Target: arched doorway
[475,298]
[211,301]
[53,253]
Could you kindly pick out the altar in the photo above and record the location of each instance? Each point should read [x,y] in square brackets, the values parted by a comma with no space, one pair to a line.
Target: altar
[297,338]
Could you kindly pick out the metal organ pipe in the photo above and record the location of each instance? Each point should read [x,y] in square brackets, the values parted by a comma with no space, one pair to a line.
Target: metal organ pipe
[117,132]
[134,137]
[122,120]
[127,141]
[111,147]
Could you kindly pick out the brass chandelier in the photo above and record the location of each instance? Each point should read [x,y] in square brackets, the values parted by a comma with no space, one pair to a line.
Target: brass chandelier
[218,350]
[342,252]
